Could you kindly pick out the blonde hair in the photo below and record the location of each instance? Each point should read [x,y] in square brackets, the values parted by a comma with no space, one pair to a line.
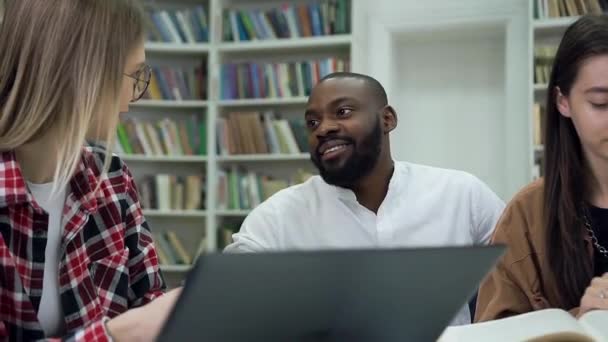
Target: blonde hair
[61,68]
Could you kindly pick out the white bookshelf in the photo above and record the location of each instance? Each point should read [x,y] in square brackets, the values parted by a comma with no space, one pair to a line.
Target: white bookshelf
[194,224]
[288,44]
[165,159]
[179,49]
[232,213]
[552,25]
[175,268]
[194,104]
[263,102]
[175,213]
[539,88]
[263,157]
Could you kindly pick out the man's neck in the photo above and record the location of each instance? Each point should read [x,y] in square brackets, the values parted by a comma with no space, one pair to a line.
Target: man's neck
[372,189]
[598,185]
[38,160]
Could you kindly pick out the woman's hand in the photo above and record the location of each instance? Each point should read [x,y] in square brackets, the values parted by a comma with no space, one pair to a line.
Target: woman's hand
[596,295]
[143,323]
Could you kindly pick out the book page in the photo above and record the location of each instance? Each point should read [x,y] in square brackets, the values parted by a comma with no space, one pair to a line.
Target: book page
[544,325]
[596,324]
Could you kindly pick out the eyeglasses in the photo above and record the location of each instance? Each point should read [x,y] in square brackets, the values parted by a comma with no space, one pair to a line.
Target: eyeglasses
[142,81]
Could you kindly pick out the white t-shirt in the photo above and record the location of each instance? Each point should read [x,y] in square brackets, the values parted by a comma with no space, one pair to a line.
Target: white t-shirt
[50,313]
[424,206]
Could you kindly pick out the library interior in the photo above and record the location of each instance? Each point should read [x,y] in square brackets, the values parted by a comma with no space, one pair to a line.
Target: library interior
[319,170]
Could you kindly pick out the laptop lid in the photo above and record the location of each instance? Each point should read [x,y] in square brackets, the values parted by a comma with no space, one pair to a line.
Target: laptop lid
[354,295]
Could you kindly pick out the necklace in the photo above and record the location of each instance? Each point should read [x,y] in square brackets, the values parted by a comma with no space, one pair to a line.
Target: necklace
[603,251]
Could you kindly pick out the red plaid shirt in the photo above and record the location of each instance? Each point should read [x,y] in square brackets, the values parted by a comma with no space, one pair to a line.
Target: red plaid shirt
[108,263]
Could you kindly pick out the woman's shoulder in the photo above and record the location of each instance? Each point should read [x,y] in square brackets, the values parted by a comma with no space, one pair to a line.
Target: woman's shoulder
[118,177]
[95,155]
[531,196]
[521,225]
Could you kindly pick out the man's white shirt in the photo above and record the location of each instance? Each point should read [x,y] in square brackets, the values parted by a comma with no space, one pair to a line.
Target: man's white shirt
[424,207]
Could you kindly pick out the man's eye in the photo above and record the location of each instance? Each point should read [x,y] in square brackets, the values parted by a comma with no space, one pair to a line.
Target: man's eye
[343,111]
[312,123]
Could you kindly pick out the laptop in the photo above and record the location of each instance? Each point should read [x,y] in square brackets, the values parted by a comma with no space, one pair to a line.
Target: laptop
[338,295]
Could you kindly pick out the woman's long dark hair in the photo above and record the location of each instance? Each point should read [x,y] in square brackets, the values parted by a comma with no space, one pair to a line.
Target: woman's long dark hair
[566,177]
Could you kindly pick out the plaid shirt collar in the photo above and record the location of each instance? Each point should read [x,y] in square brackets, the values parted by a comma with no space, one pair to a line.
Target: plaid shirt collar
[82,184]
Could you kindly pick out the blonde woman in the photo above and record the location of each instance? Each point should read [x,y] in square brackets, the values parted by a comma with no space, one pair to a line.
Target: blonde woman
[75,250]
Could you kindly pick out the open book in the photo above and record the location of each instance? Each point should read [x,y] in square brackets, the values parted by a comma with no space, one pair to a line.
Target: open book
[537,326]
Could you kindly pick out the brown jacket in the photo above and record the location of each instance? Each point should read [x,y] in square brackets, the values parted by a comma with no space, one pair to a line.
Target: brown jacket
[520,281]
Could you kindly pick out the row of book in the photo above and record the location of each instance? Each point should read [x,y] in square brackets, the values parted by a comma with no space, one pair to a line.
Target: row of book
[244,190]
[172,192]
[276,80]
[171,83]
[543,62]
[170,249]
[319,18]
[569,8]
[162,138]
[254,132]
[538,117]
[177,26]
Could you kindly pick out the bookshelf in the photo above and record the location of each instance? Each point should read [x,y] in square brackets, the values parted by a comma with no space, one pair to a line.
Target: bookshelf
[204,229]
[168,104]
[301,100]
[174,213]
[549,19]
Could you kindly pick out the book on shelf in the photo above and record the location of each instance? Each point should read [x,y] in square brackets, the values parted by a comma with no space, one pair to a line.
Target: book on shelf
[538,123]
[543,325]
[255,132]
[538,169]
[276,80]
[172,192]
[177,83]
[313,19]
[170,249]
[166,137]
[543,62]
[189,25]
[224,236]
[544,9]
[243,190]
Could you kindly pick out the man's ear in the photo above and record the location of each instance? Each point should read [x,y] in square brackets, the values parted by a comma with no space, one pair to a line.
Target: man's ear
[561,101]
[389,119]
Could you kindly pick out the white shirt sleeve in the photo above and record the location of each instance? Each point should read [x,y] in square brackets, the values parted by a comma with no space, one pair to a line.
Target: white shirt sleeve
[258,232]
[486,208]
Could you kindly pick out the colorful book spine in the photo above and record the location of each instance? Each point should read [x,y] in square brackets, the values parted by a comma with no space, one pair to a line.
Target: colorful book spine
[164,137]
[240,189]
[270,80]
[320,18]
[174,84]
[170,249]
[178,26]
[171,192]
[260,133]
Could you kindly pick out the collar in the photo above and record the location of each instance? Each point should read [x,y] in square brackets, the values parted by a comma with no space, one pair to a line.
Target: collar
[347,195]
[14,190]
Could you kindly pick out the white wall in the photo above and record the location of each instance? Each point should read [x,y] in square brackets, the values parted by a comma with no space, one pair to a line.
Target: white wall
[451,105]
[457,72]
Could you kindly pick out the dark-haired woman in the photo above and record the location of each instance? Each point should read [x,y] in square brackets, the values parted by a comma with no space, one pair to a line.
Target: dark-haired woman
[556,229]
